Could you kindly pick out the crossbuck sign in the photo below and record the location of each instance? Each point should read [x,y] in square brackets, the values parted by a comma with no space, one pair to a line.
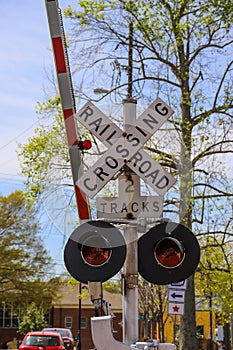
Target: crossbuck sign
[125,148]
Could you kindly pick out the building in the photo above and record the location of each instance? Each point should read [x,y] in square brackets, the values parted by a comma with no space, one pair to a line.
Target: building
[65,314]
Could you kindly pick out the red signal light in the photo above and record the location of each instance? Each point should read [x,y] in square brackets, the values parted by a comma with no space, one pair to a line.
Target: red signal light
[95,256]
[95,250]
[84,145]
[169,252]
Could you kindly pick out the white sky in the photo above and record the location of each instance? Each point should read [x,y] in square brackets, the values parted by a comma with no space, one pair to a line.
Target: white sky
[24,57]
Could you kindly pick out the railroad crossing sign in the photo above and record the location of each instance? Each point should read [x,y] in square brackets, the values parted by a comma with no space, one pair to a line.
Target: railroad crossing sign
[125,148]
[129,204]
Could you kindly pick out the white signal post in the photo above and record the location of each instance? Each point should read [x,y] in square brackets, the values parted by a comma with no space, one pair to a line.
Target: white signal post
[130,286]
[125,149]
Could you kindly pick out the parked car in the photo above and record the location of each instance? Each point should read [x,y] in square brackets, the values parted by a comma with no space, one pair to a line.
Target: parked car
[66,335]
[42,340]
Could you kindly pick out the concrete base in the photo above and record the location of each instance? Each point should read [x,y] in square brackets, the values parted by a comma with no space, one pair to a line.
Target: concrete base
[103,339]
[102,334]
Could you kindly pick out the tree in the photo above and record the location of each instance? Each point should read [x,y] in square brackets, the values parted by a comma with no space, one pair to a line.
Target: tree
[32,320]
[214,280]
[26,268]
[44,146]
[153,307]
[182,51]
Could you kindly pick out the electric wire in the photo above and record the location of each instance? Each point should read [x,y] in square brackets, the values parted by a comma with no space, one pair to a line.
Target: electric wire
[17,136]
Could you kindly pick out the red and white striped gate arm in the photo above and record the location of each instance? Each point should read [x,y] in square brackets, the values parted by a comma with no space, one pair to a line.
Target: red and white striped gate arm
[67,101]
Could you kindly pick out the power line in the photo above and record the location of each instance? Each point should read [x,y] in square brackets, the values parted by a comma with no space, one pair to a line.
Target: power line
[17,136]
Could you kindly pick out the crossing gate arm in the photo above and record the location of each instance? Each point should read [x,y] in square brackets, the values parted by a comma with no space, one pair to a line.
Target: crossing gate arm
[67,101]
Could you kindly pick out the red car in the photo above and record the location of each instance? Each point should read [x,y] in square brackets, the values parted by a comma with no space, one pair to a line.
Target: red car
[42,340]
[66,335]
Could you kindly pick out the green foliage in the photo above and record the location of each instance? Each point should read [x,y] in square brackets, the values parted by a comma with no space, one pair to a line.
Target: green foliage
[113,286]
[215,276]
[45,147]
[25,263]
[222,9]
[45,157]
[32,319]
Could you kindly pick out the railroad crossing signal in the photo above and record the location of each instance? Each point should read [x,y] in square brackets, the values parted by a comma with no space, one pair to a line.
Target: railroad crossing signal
[167,253]
[125,148]
[95,252]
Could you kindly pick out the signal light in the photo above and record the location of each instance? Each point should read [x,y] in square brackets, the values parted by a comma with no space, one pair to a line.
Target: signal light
[84,145]
[167,253]
[95,256]
[95,252]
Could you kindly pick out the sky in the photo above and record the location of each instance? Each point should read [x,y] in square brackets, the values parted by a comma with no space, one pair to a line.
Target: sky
[25,56]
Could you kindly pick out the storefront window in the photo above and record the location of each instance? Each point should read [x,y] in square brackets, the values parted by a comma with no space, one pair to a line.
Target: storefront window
[9,315]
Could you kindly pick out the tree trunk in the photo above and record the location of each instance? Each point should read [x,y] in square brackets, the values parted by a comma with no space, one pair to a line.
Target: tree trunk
[188,339]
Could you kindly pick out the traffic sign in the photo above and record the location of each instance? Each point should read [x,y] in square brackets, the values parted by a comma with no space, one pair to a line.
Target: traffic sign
[176,309]
[106,131]
[98,124]
[139,207]
[181,285]
[176,296]
[129,204]
[125,148]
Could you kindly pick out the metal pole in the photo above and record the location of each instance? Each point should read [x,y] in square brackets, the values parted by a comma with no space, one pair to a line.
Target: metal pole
[130,299]
[79,317]
[231,325]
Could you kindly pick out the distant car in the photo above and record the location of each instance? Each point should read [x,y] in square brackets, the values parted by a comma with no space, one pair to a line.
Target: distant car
[42,340]
[66,335]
